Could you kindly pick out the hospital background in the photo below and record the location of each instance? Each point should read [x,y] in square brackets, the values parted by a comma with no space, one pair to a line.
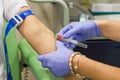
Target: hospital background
[55,14]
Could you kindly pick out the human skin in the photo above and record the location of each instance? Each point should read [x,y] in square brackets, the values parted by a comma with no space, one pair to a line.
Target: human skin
[97,70]
[39,36]
[110,29]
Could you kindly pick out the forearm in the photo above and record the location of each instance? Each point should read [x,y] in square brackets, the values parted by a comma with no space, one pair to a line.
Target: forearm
[37,34]
[110,29]
[97,70]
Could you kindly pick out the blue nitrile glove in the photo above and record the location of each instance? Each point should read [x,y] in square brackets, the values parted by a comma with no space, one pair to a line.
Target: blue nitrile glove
[80,31]
[57,61]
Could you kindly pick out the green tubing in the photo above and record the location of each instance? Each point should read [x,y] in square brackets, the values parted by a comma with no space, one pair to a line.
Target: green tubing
[30,56]
[13,55]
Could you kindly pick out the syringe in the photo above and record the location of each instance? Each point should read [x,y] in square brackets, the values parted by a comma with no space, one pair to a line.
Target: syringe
[60,37]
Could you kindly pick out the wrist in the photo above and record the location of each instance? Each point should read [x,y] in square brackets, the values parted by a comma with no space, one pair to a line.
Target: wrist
[101,23]
[74,67]
[97,28]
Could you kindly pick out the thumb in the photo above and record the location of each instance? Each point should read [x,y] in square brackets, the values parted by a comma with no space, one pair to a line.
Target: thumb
[43,60]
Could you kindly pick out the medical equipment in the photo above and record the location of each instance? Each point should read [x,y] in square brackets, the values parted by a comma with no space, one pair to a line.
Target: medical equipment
[104,8]
[60,37]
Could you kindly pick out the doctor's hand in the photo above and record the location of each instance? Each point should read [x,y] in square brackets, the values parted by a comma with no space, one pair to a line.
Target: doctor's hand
[57,61]
[80,31]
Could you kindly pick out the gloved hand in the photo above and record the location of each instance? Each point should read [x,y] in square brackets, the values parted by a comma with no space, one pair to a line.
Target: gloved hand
[80,31]
[57,61]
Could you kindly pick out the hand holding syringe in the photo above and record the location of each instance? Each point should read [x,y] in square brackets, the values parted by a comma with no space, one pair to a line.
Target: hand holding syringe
[60,37]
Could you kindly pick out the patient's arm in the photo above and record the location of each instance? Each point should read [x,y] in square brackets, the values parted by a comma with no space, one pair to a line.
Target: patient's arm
[39,36]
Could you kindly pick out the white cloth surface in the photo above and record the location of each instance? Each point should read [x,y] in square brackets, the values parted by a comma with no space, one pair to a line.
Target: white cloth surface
[8,8]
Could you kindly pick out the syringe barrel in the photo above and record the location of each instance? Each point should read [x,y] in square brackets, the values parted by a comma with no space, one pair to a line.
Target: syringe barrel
[76,43]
